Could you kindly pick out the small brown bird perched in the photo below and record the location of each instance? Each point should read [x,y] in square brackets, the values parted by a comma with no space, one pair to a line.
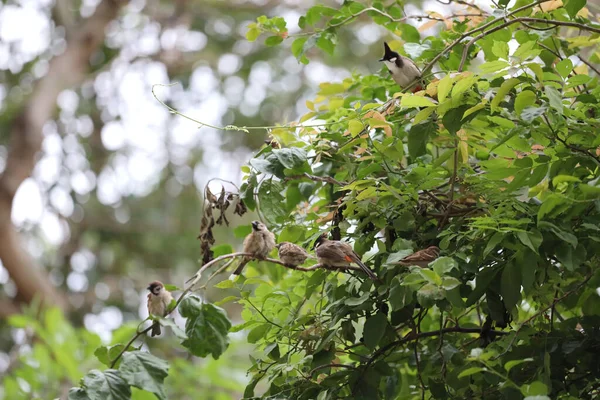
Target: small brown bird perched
[421,258]
[339,254]
[291,254]
[259,243]
[159,299]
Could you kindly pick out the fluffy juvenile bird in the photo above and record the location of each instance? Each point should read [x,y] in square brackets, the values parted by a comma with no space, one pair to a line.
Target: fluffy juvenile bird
[159,299]
[421,258]
[291,254]
[404,71]
[259,243]
[339,254]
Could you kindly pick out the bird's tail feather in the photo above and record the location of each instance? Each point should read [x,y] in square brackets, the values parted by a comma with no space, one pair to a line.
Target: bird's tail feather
[155,329]
[240,267]
[367,270]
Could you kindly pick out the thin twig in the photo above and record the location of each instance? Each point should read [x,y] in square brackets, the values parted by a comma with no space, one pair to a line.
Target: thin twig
[541,311]
[326,179]
[520,20]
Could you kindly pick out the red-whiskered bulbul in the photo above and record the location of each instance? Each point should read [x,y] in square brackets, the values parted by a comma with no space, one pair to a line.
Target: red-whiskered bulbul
[259,243]
[334,253]
[159,300]
[404,71]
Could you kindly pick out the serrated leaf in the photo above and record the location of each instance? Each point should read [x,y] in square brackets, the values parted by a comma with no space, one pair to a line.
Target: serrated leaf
[291,157]
[252,34]
[77,394]
[145,371]
[400,296]
[493,66]
[258,333]
[500,49]
[106,385]
[554,98]
[207,327]
[443,265]
[462,85]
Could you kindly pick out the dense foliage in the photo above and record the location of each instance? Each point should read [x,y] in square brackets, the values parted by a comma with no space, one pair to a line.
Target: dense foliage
[498,166]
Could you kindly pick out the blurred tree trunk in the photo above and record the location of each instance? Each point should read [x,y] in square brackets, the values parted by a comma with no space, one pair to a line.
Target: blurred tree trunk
[66,70]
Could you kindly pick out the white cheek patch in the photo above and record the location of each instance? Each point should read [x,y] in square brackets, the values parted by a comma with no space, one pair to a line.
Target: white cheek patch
[391,65]
[393,60]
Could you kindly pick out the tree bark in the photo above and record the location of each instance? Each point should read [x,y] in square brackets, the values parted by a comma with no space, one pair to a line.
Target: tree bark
[65,71]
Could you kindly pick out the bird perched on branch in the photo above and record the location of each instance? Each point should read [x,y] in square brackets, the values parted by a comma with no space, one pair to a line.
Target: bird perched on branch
[339,254]
[259,243]
[291,254]
[404,71]
[159,300]
[421,258]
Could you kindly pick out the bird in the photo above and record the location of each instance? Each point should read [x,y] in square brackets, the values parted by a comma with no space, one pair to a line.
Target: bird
[421,258]
[259,243]
[291,254]
[339,254]
[159,300]
[404,71]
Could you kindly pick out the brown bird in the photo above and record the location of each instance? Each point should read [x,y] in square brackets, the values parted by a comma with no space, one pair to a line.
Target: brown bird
[159,299]
[339,254]
[291,254]
[259,243]
[421,258]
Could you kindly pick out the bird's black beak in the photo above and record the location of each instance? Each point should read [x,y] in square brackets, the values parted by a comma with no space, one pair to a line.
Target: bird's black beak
[382,59]
[149,288]
[255,225]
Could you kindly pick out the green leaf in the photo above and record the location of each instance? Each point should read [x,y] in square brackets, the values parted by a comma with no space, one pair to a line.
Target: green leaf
[483,280]
[591,306]
[374,329]
[412,101]
[326,42]
[471,371]
[524,99]
[531,239]
[573,7]
[206,327]
[443,265]
[273,40]
[430,276]
[356,301]
[400,296]
[409,33]
[291,233]
[462,85]
[500,49]
[145,371]
[505,88]
[298,46]
[258,333]
[493,242]
[218,251]
[417,139]
[554,98]
[511,285]
[444,87]
[177,331]
[107,354]
[252,34]
[564,67]
[106,385]
[315,280]
[291,157]
[564,235]
[535,389]
[493,66]
[511,364]
[355,127]
[452,120]
[77,394]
